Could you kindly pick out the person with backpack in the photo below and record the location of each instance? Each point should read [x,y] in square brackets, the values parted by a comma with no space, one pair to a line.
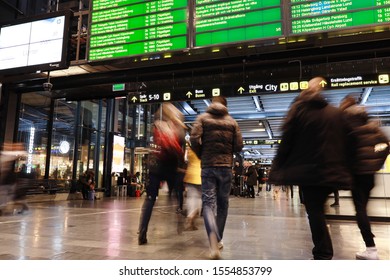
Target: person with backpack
[164,160]
[369,150]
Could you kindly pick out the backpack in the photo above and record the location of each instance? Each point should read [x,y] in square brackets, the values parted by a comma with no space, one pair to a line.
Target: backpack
[381,148]
[167,141]
[373,148]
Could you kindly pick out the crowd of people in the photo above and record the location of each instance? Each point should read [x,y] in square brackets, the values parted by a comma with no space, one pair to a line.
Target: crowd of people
[323,149]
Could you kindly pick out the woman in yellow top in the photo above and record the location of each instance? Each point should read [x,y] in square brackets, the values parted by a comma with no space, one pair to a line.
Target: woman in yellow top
[192,182]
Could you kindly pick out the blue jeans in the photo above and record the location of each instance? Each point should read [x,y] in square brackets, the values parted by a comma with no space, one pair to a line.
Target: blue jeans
[216,182]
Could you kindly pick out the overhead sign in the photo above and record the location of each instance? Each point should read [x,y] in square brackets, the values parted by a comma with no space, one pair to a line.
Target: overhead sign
[129,27]
[221,22]
[261,142]
[312,16]
[179,94]
[124,28]
[118,87]
[209,92]
[358,81]
[266,87]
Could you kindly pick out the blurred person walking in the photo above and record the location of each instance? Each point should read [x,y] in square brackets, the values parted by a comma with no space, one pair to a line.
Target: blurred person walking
[193,184]
[312,154]
[168,136]
[250,174]
[368,153]
[215,137]
[12,188]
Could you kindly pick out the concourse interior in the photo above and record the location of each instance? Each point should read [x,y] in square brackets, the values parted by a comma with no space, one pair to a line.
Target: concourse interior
[262,228]
[68,117]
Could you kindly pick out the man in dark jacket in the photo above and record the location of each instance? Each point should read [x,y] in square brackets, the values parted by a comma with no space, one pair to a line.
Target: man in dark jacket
[215,137]
[313,155]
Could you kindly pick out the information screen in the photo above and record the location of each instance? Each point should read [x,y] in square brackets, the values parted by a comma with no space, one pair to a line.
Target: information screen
[121,28]
[223,22]
[25,47]
[124,28]
[308,16]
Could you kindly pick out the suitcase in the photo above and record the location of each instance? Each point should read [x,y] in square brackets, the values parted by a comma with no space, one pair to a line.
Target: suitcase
[242,187]
[91,195]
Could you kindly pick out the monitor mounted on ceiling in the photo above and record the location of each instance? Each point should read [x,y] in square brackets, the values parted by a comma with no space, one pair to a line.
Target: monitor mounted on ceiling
[35,44]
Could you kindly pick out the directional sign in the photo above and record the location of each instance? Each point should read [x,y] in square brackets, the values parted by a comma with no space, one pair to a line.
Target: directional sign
[258,88]
[272,87]
[261,142]
[118,87]
[359,81]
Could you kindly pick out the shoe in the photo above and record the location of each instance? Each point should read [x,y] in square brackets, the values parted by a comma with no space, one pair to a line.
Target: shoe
[215,255]
[220,245]
[335,205]
[142,237]
[190,224]
[370,253]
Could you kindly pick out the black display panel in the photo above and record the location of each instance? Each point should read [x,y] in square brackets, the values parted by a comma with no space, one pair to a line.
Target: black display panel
[133,27]
[35,44]
[322,16]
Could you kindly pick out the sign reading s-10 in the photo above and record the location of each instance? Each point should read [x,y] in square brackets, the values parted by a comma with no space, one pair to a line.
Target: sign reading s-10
[256,88]
[123,28]
[208,92]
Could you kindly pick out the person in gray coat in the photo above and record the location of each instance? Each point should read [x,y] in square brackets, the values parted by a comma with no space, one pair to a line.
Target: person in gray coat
[215,136]
[313,155]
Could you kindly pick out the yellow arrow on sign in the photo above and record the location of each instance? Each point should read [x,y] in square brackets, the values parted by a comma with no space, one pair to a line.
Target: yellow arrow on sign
[134,99]
[323,83]
[189,94]
[241,90]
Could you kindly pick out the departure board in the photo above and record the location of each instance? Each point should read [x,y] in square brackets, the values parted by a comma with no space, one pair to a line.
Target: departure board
[315,16]
[121,28]
[223,22]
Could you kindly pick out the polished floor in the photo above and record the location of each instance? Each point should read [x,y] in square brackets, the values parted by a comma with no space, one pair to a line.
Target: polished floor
[106,229]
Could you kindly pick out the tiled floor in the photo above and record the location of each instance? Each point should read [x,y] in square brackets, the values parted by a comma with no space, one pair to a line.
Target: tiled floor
[259,228]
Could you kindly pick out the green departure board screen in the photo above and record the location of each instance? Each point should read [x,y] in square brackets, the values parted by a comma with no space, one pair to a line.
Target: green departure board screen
[121,28]
[223,22]
[124,28]
[320,16]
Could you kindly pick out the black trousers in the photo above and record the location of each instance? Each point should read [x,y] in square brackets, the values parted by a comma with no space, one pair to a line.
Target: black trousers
[315,198]
[363,185]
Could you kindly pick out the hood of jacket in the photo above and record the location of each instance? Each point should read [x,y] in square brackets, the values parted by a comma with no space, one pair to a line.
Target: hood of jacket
[217,109]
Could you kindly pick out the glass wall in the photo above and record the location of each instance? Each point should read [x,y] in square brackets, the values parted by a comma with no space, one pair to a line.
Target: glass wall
[33,131]
[63,141]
